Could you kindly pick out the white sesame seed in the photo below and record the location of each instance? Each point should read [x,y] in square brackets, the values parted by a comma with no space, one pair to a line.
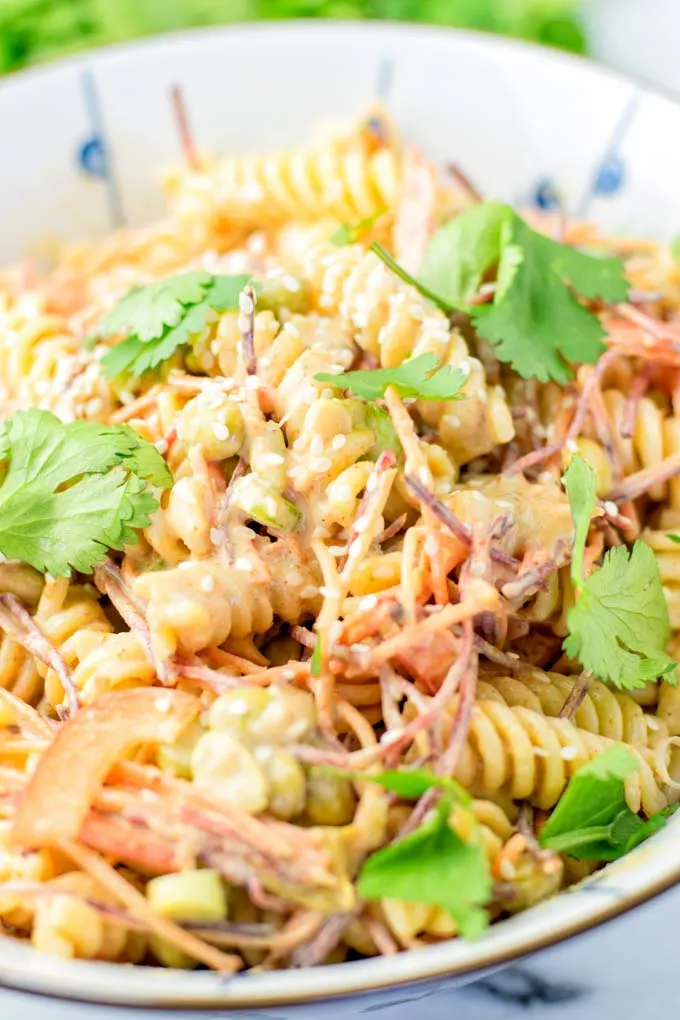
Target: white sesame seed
[320,466]
[328,593]
[216,536]
[338,442]
[571,445]
[337,550]
[270,506]
[291,330]
[652,723]
[163,703]
[477,568]
[272,459]
[290,283]
[94,406]
[545,477]
[309,592]
[243,564]
[316,446]
[416,312]
[288,674]
[368,602]
[354,551]
[569,753]
[611,508]
[431,545]
[361,524]
[208,583]
[237,706]
[372,483]
[465,367]
[49,578]
[342,493]
[392,736]
[451,421]
[220,431]
[507,870]
[504,503]
[252,382]
[540,752]
[162,446]
[425,475]
[245,303]
[382,572]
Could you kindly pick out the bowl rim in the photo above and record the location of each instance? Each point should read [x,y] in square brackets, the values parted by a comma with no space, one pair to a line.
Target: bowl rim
[24,969]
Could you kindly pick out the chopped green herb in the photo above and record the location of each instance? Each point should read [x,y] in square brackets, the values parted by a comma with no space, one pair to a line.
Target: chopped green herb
[315,667]
[73,491]
[619,627]
[419,377]
[674,538]
[410,784]
[351,234]
[592,821]
[433,865]
[581,484]
[399,271]
[160,318]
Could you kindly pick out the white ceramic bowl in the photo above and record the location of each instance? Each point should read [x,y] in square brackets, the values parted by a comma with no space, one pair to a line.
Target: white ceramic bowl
[81,143]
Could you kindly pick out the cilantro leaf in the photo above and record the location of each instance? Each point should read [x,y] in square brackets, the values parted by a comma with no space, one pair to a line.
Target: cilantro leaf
[581,484]
[347,234]
[619,626]
[72,491]
[163,316]
[592,821]
[535,323]
[419,377]
[399,271]
[433,865]
[409,784]
[674,538]
[462,251]
[149,310]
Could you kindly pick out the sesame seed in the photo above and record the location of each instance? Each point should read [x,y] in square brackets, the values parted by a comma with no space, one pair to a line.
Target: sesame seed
[272,459]
[431,545]
[425,475]
[291,330]
[208,583]
[252,382]
[342,493]
[246,303]
[354,551]
[416,312]
[571,445]
[540,752]
[244,564]
[361,524]
[337,550]
[504,503]
[220,431]
[320,466]
[309,592]
[338,442]
[288,674]
[328,592]
[163,703]
[94,406]
[368,602]
[316,445]
[49,578]
[237,706]
[611,508]
[382,572]
[392,736]
[290,283]
[545,477]
[465,367]
[507,870]
[162,446]
[451,421]
[270,506]
[372,483]
[216,536]
[652,723]
[569,753]
[477,569]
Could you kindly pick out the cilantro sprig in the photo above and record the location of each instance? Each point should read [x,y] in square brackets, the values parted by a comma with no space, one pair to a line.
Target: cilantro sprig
[352,233]
[70,492]
[419,377]
[158,319]
[619,626]
[592,821]
[433,864]
[534,320]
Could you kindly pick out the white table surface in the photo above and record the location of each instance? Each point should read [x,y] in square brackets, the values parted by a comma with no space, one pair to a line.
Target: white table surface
[626,970]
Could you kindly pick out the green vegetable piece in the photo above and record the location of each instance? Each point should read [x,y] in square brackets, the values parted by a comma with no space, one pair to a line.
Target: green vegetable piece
[409,784]
[419,377]
[581,484]
[592,821]
[619,627]
[160,318]
[381,425]
[317,655]
[189,896]
[352,234]
[176,758]
[73,491]
[433,865]
[674,538]
[463,250]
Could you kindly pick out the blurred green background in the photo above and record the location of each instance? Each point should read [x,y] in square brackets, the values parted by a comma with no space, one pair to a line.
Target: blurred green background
[32,31]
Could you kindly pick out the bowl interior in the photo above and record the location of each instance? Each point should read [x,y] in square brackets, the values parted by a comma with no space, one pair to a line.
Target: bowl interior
[86,139]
